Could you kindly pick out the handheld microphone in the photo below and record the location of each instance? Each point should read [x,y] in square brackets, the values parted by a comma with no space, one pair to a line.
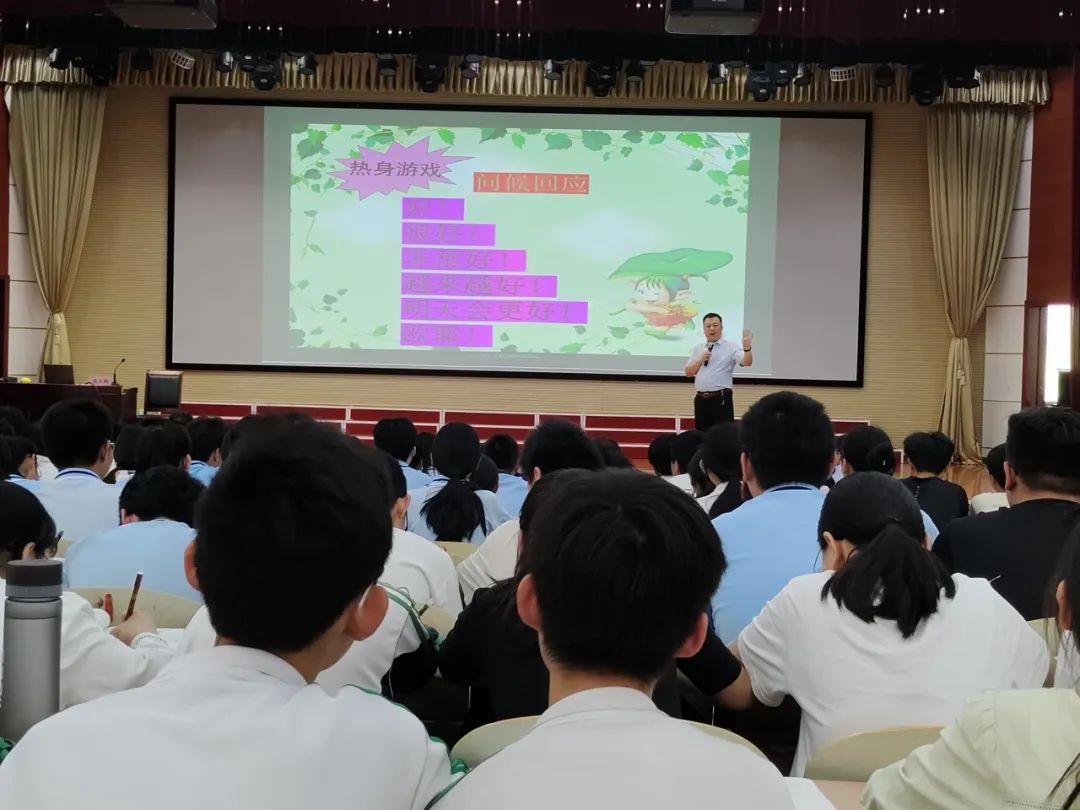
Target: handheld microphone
[710,347]
[117,368]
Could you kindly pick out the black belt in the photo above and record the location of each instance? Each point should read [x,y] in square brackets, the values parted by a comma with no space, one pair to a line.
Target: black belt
[713,394]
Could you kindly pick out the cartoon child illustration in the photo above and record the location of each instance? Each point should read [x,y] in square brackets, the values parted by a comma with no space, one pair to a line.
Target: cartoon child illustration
[662,293]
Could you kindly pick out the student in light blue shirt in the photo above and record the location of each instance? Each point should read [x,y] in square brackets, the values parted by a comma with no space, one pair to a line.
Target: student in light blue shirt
[156,512]
[449,508]
[788,446]
[207,433]
[502,448]
[397,436]
[18,462]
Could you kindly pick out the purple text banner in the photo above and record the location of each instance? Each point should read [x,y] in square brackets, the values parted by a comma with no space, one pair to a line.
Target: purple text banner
[426,233]
[502,261]
[448,335]
[436,208]
[458,310]
[482,284]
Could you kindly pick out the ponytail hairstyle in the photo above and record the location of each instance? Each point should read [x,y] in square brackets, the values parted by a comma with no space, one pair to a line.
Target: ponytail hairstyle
[721,458]
[869,449]
[890,574]
[1069,576]
[455,511]
[703,485]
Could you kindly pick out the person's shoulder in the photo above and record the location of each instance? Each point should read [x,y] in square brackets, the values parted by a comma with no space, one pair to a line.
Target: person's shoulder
[977,525]
[366,713]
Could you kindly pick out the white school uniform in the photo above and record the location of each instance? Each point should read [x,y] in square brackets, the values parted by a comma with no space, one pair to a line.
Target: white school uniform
[93,662]
[612,747]
[851,676]
[229,727]
[80,503]
[683,482]
[989,502]
[424,572]
[493,561]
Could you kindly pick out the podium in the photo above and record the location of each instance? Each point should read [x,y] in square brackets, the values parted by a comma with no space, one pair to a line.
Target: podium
[33,399]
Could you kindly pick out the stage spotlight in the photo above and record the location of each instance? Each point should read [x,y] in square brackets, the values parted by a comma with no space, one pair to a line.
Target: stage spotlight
[249,60]
[635,71]
[804,75]
[843,73]
[718,73]
[224,62]
[102,70]
[782,73]
[554,70]
[430,73]
[926,85]
[470,66]
[59,59]
[81,59]
[885,77]
[142,60]
[307,64]
[601,78]
[387,65]
[963,78]
[267,73]
[760,84]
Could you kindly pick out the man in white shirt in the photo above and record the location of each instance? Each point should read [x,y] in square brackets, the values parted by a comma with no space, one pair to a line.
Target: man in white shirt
[291,540]
[397,437]
[157,510]
[620,538]
[712,364]
[554,445]
[78,439]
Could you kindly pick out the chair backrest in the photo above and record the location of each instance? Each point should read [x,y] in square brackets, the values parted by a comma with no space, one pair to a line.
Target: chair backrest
[166,609]
[483,743]
[730,736]
[162,391]
[438,620]
[458,551]
[854,758]
[58,375]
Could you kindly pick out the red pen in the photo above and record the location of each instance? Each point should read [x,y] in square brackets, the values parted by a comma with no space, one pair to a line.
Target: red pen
[134,596]
[108,605]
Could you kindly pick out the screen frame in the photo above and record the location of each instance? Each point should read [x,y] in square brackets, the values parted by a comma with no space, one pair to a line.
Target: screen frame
[171,363]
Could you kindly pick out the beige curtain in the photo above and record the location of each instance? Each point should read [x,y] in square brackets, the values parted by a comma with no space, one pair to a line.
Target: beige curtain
[974,160]
[55,139]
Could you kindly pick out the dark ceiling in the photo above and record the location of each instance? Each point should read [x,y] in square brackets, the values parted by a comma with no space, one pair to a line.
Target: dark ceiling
[985,31]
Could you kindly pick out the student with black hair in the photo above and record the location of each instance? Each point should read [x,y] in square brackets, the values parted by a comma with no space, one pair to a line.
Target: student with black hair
[164,445]
[78,439]
[703,486]
[398,437]
[422,460]
[996,498]
[884,636]
[18,461]
[929,455]
[503,450]
[660,454]
[157,511]
[449,508]
[292,538]
[207,434]
[612,454]
[554,445]
[616,538]
[683,448]
[485,478]
[1017,548]
[251,429]
[787,452]
[93,661]
[721,461]
[1018,748]
[124,448]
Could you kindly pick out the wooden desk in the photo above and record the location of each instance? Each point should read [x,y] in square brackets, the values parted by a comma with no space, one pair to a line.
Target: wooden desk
[845,795]
[33,399]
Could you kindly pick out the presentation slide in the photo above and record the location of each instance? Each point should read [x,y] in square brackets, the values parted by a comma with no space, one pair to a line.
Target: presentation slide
[535,242]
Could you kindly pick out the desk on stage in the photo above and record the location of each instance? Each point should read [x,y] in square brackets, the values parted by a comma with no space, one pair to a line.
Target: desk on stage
[33,399]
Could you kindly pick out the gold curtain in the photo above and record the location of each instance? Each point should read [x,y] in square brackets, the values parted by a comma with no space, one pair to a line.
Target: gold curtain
[974,161]
[667,81]
[55,139]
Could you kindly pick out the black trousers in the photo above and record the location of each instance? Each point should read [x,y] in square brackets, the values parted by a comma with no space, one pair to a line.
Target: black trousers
[715,410]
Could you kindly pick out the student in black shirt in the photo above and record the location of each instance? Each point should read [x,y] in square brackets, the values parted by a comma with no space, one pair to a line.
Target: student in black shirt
[1017,549]
[492,650]
[930,454]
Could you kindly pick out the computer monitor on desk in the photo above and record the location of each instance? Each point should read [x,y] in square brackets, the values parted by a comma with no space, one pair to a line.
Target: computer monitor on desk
[58,375]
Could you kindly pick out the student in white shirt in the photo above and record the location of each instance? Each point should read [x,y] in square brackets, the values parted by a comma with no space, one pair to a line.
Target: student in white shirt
[1007,749]
[617,539]
[157,511]
[884,636]
[721,461]
[554,445]
[207,433]
[660,454]
[78,438]
[996,498]
[449,509]
[502,449]
[398,437]
[682,451]
[18,462]
[93,661]
[291,539]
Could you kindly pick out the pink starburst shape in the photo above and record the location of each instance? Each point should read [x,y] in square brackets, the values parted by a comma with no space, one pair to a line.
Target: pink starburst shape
[399,168]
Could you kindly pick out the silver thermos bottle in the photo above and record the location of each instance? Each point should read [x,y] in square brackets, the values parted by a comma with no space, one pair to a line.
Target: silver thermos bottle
[31,679]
